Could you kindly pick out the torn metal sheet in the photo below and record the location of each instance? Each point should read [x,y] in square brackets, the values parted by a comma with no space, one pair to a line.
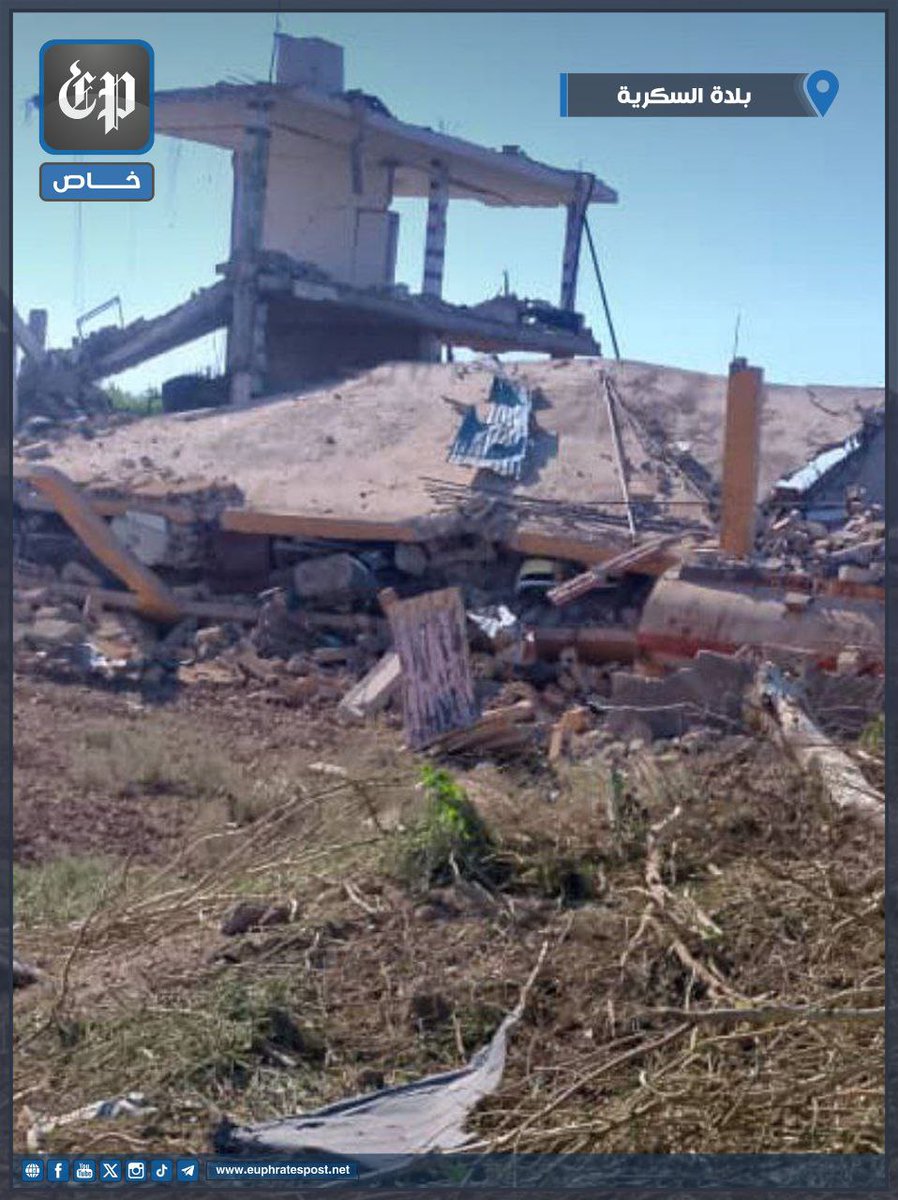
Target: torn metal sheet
[398,1122]
[500,443]
[858,460]
[805,478]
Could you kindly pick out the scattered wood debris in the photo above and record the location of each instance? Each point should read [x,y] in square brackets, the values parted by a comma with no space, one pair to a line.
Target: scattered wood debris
[506,728]
[627,560]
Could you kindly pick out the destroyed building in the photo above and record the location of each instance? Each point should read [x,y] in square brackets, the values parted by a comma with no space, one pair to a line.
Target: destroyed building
[586,511]
[309,290]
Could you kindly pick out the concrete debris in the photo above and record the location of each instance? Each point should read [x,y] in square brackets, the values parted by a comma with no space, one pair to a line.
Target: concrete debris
[411,559]
[792,542]
[373,692]
[145,534]
[790,723]
[531,607]
[336,579]
[708,693]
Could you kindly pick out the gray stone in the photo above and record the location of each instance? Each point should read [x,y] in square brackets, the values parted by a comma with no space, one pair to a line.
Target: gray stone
[410,559]
[334,577]
[53,631]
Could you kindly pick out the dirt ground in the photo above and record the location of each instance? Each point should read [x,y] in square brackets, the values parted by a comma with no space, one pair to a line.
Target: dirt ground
[676,888]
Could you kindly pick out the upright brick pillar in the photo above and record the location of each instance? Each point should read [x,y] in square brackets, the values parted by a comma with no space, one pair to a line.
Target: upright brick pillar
[741,458]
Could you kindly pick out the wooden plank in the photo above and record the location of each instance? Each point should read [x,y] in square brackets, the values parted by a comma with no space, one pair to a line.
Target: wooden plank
[373,692]
[595,644]
[575,720]
[208,610]
[156,600]
[431,640]
[284,524]
[627,560]
[497,728]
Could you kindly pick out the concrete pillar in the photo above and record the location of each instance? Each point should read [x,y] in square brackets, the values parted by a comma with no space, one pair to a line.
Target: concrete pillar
[741,459]
[435,241]
[37,323]
[250,181]
[573,234]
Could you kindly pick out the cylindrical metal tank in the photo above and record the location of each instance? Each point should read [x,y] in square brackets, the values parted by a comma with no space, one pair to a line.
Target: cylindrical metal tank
[682,617]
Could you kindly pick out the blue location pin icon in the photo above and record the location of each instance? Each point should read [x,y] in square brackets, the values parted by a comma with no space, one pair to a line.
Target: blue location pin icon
[822,88]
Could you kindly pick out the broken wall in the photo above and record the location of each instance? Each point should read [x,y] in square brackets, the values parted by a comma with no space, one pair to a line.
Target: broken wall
[325,205]
[306,352]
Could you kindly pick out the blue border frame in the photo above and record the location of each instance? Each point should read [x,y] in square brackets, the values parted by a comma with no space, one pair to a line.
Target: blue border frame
[100,42]
[763,1185]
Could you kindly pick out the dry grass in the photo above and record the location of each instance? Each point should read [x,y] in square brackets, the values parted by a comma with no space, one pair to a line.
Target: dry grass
[714,979]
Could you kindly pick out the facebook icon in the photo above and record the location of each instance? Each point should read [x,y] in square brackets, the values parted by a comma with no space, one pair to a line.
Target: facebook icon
[57,1170]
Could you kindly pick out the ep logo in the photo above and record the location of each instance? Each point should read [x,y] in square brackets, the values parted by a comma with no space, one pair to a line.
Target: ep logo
[96,97]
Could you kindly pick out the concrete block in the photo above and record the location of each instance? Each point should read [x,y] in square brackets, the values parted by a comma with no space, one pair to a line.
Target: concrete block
[336,577]
[709,692]
[410,559]
[145,534]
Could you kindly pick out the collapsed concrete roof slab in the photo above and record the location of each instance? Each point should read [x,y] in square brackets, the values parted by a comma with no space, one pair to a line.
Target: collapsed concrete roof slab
[360,459]
[219,116]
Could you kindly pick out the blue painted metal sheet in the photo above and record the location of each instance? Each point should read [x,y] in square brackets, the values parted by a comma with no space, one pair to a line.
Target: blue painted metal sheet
[500,442]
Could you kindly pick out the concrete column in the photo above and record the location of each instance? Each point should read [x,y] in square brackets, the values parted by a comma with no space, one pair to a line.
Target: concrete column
[37,323]
[741,459]
[250,181]
[435,241]
[573,235]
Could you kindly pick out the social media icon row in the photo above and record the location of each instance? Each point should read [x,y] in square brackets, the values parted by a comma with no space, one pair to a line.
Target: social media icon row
[110,1170]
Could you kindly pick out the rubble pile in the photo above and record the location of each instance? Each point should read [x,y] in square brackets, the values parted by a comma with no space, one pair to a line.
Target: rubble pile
[483,639]
[320,638]
[852,550]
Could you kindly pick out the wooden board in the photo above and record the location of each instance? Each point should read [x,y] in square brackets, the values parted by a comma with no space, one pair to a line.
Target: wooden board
[430,638]
[155,599]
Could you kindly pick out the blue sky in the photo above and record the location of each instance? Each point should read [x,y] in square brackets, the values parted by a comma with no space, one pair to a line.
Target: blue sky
[779,219]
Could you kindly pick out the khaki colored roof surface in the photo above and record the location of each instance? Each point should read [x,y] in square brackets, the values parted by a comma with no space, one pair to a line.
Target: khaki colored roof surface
[365,449]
